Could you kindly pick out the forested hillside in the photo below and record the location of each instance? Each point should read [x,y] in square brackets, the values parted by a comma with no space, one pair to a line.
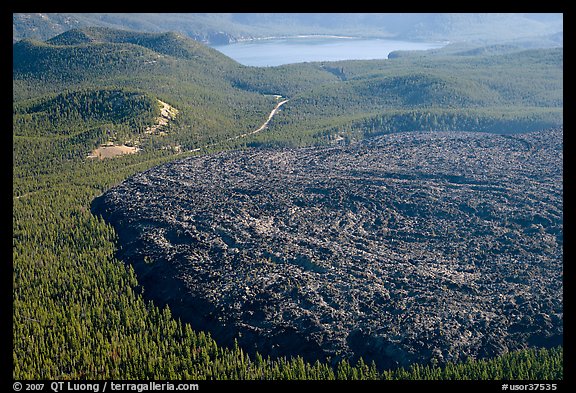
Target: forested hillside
[79,312]
[508,93]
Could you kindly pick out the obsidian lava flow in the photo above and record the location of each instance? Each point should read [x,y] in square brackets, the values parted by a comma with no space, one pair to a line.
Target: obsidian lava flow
[410,247]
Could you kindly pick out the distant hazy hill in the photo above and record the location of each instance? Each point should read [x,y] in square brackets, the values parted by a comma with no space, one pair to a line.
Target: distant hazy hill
[215,28]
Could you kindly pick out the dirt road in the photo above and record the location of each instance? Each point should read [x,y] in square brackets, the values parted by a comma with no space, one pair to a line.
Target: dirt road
[263,126]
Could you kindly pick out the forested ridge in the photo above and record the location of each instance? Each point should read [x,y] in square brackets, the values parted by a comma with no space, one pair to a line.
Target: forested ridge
[78,311]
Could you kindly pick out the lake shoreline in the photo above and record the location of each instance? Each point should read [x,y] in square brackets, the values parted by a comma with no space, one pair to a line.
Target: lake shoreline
[275,51]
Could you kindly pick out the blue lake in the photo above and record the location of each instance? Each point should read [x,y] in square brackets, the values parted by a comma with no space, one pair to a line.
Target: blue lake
[278,51]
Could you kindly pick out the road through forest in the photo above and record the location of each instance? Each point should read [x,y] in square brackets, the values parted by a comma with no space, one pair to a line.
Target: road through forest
[263,126]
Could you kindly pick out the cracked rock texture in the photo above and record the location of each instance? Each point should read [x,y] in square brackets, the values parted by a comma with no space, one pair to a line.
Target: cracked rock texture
[405,248]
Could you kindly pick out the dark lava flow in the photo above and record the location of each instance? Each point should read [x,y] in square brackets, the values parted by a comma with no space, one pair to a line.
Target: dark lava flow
[404,248]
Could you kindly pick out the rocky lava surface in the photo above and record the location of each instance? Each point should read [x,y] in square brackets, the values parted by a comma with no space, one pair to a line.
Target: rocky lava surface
[405,248]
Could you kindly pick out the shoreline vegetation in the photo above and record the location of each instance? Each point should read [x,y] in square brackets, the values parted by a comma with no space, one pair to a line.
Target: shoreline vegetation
[344,37]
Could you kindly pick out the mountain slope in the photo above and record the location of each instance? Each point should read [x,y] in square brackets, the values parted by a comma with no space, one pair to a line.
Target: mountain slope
[72,111]
[86,52]
[161,66]
[169,43]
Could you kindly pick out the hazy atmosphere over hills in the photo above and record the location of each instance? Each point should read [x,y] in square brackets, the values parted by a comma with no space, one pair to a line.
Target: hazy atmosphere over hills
[180,215]
[221,28]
